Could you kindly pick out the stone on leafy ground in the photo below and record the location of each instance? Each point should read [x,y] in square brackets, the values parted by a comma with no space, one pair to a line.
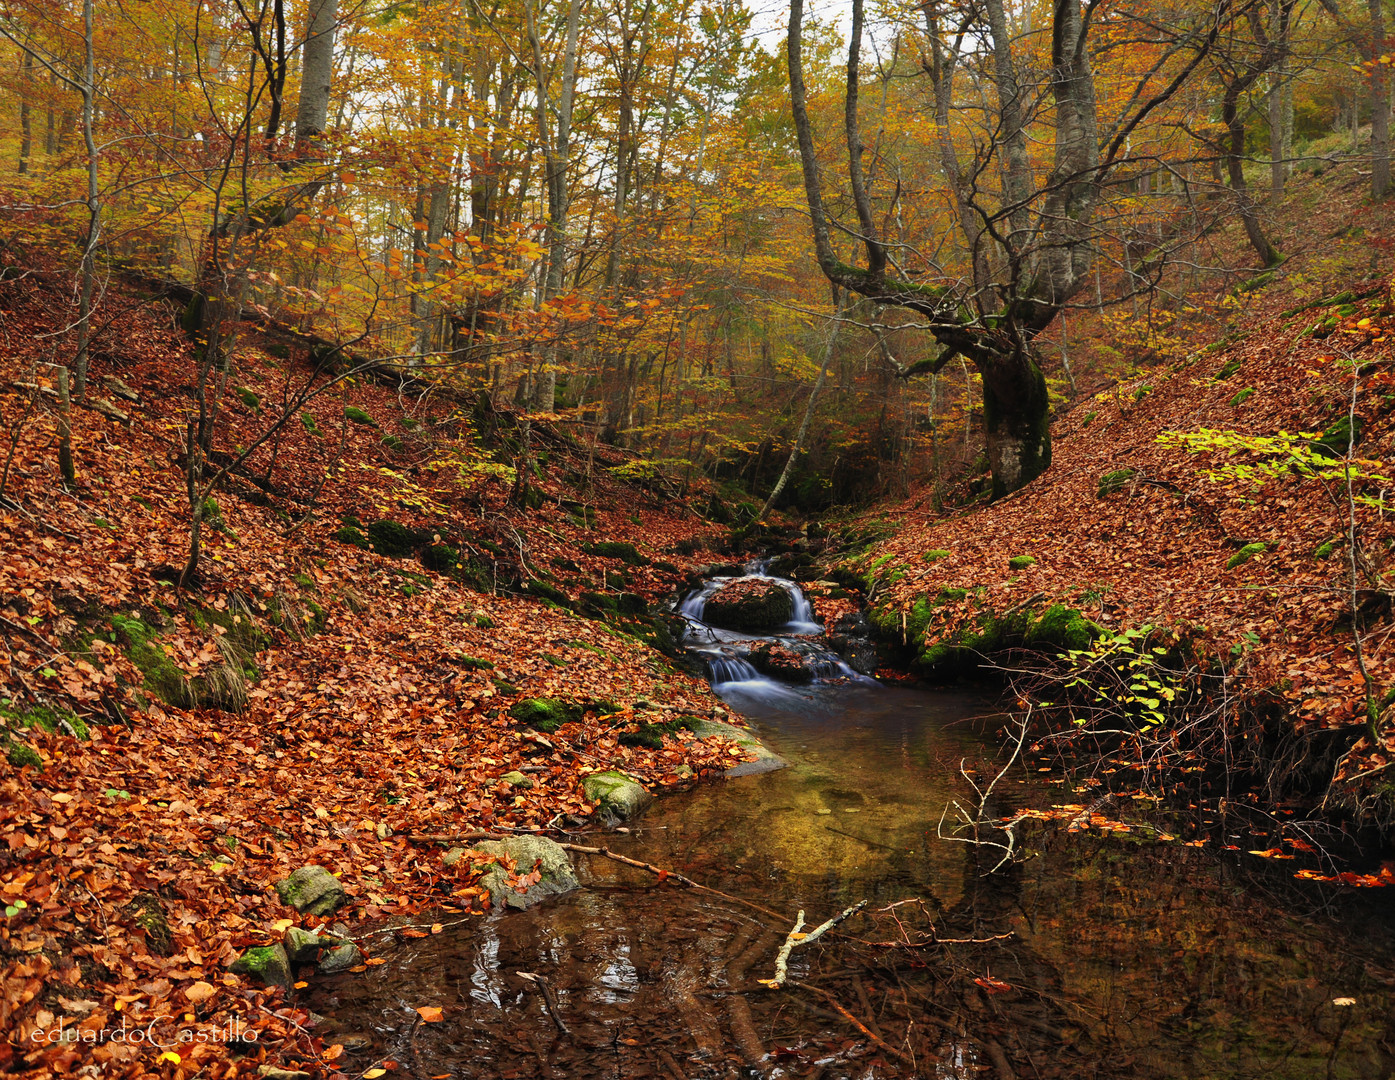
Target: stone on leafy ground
[312,890]
[268,964]
[303,946]
[752,605]
[526,853]
[619,797]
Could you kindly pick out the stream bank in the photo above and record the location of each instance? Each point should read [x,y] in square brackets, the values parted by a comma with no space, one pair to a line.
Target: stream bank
[1144,949]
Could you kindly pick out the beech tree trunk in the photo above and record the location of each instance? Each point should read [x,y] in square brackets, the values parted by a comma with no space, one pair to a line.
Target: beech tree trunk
[1380,105]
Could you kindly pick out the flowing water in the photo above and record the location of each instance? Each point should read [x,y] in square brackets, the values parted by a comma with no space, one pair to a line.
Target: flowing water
[1094,955]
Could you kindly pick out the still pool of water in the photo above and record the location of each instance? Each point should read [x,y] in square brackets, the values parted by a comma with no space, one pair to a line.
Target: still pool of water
[1093,955]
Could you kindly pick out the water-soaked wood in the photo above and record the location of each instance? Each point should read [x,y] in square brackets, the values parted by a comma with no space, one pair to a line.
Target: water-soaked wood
[899,1055]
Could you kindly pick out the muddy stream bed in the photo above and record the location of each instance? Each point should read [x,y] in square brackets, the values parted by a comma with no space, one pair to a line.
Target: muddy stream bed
[1096,955]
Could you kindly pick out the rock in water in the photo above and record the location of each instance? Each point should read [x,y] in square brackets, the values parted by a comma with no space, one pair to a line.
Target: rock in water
[268,964]
[312,890]
[620,798]
[851,638]
[751,605]
[780,662]
[340,958]
[526,852]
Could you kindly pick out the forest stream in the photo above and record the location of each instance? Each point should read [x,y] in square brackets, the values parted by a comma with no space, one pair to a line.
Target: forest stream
[1097,953]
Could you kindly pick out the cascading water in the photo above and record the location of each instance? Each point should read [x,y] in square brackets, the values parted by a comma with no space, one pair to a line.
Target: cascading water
[727,652]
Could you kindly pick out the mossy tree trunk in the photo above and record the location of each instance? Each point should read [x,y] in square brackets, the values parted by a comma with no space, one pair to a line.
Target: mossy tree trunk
[1016,422]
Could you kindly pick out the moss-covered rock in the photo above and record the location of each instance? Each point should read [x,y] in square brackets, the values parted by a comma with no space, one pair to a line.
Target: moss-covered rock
[347,534]
[546,714]
[53,721]
[358,416]
[780,662]
[1112,482]
[544,590]
[267,964]
[391,539]
[935,555]
[617,796]
[440,558]
[616,549]
[312,890]
[1021,562]
[1244,555]
[21,755]
[526,854]
[751,605]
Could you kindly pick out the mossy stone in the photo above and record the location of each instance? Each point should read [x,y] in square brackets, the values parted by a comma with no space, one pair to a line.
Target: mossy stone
[526,853]
[340,958]
[267,964]
[347,534]
[618,797]
[935,555]
[1245,554]
[390,539]
[1112,482]
[358,416]
[517,779]
[20,754]
[545,714]
[394,443]
[53,721]
[1021,562]
[616,549]
[440,558]
[312,890]
[749,605]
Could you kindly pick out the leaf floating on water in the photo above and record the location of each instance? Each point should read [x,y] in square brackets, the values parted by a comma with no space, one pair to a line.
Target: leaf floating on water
[1272,853]
[1342,1002]
[430,1014]
[992,985]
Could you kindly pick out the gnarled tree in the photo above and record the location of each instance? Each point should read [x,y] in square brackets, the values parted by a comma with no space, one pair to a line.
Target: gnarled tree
[1033,237]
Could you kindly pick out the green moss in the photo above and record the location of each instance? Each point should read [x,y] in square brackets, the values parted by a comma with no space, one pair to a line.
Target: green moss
[307,421]
[1326,548]
[20,754]
[441,558]
[616,549]
[948,594]
[1089,418]
[1242,397]
[1114,481]
[473,663]
[390,539]
[162,677]
[1021,562]
[1338,436]
[409,423]
[546,714]
[211,513]
[393,443]
[483,622]
[358,416]
[1142,392]
[545,591]
[251,400]
[504,687]
[651,736]
[305,581]
[347,534]
[1061,628]
[935,555]
[1244,555]
[1230,367]
[53,721]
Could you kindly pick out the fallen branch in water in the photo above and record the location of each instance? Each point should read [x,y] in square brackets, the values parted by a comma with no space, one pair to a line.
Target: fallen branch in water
[900,1055]
[795,939]
[545,988]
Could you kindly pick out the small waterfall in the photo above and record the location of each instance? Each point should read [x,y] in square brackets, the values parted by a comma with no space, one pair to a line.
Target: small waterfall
[731,669]
[726,652]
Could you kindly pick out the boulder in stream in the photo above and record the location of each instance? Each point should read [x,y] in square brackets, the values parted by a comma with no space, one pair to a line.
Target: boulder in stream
[526,852]
[766,760]
[619,797]
[851,638]
[750,605]
[781,662]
